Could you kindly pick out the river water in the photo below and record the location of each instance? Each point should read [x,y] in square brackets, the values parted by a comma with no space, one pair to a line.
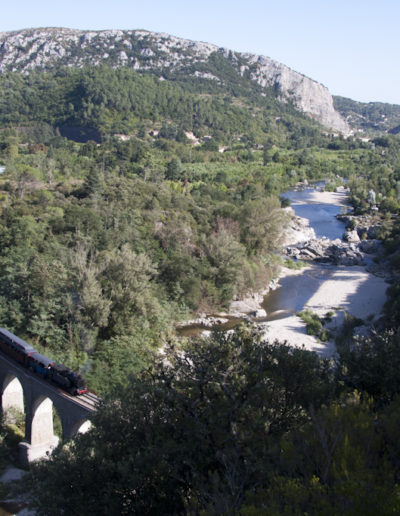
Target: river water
[321,215]
[294,291]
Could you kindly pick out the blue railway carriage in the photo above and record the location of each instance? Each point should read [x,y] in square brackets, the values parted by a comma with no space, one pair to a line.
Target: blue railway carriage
[25,354]
[40,364]
[15,347]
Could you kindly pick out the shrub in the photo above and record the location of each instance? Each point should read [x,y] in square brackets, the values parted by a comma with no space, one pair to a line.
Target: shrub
[315,325]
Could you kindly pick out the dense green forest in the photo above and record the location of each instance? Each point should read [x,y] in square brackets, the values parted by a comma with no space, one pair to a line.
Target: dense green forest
[165,201]
[108,243]
[121,100]
[370,117]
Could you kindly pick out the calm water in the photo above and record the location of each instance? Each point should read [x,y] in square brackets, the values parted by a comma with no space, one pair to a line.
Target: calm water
[294,291]
[321,216]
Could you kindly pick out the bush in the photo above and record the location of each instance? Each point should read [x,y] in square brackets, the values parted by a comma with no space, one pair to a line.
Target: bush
[294,264]
[315,325]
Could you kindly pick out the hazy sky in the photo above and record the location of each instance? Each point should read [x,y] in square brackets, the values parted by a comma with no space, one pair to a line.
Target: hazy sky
[351,46]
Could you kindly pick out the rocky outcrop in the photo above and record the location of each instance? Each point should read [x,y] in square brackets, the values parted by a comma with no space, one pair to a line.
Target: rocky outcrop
[309,96]
[298,229]
[336,252]
[259,314]
[351,236]
[366,227]
[45,48]
[251,304]
[207,321]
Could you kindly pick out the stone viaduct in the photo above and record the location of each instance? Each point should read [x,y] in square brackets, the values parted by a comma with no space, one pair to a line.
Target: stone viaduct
[33,396]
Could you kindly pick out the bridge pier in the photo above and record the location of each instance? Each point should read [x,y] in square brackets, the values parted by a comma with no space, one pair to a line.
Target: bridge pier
[29,453]
[39,432]
[29,394]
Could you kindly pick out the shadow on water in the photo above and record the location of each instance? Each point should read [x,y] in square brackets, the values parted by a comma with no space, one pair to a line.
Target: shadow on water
[297,291]
[322,219]
[288,299]
[294,291]
[320,215]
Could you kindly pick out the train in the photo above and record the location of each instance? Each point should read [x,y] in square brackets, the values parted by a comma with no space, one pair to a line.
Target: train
[26,355]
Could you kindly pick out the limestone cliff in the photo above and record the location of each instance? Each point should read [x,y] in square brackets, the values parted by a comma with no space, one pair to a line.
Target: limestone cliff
[46,48]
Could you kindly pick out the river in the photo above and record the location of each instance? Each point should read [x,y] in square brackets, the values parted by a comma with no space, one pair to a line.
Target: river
[320,214]
[295,290]
[322,289]
[319,287]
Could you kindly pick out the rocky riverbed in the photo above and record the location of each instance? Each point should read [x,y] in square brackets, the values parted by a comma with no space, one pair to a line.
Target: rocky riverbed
[336,280]
[336,252]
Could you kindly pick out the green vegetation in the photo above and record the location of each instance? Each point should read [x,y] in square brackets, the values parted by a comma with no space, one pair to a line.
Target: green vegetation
[371,117]
[164,201]
[234,425]
[12,431]
[294,264]
[124,101]
[315,325]
[344,338]
[106,245]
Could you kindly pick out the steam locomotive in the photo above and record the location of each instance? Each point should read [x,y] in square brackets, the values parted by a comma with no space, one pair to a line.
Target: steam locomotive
[43,366]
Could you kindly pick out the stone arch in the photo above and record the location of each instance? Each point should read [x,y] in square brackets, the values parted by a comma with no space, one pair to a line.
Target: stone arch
[81,427]
[12,394]
[42,431]
[40,439]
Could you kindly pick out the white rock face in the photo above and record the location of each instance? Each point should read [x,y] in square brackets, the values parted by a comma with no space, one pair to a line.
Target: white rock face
[351,236]
[308,95]
[142,50]
[298,229]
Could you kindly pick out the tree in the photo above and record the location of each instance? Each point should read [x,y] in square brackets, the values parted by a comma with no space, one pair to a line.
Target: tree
[196,430]
[227,259]
[267,154]
[261,225]
[127,285]
[27,178]
[371,365]
[337,463]
[174,170]
[93,184]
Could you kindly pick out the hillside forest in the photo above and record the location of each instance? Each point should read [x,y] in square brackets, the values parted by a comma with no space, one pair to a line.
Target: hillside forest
[129,203]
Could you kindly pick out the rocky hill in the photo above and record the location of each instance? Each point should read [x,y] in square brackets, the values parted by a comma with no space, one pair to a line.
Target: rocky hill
[371,117]
[164,55]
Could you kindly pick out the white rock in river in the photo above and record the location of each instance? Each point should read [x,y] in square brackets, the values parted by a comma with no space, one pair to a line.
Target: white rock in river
[259,313]
[351,236]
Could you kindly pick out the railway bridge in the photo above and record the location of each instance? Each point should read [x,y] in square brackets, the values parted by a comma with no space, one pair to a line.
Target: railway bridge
[29,394]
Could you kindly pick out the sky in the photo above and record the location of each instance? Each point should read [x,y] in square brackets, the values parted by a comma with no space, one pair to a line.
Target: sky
[350,46]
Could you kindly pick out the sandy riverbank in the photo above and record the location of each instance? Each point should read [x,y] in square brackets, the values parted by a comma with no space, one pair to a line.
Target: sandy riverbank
[344,289]
[320,289]
[338,198]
